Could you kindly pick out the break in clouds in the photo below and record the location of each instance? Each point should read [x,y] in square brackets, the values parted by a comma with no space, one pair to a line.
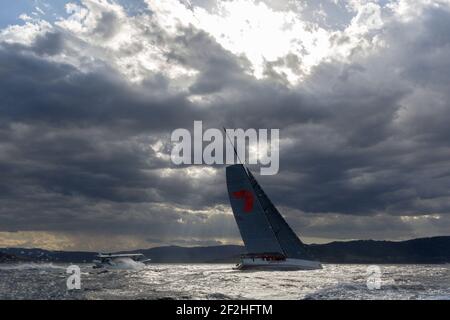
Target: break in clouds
[91,90]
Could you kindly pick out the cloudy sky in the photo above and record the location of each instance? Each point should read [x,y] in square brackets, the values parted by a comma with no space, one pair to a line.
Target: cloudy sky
[91,90]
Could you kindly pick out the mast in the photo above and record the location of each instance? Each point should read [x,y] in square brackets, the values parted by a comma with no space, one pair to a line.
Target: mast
[234,147]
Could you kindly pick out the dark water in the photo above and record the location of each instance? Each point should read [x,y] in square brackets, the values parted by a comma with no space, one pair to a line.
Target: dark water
[183,281]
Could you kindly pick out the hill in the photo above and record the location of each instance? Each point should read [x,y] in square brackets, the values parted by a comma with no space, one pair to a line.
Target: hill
[418,251]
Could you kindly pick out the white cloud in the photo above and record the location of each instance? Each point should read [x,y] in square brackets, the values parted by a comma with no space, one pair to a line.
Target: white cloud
[251,28]
[25,33]
[408,10]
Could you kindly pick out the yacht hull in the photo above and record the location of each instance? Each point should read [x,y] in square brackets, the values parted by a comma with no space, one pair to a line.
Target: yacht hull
[288,264]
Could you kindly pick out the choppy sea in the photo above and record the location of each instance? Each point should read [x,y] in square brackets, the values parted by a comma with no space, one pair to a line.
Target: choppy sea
[220,281]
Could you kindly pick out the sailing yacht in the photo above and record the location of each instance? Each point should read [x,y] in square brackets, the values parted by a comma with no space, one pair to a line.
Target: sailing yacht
[269,240]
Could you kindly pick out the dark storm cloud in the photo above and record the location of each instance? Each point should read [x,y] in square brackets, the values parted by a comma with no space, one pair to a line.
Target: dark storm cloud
[387,139]
[108,25]
[35,90]
[219,69]
[50,43]
[73,142]
[360,138]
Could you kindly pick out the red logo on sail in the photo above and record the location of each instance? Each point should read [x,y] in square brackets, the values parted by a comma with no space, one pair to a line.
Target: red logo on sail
[248,198]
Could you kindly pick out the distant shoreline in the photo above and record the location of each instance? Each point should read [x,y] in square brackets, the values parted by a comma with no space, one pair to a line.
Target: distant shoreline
[432,251]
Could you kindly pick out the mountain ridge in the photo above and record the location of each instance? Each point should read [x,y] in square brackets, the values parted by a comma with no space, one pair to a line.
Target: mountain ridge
[433,250]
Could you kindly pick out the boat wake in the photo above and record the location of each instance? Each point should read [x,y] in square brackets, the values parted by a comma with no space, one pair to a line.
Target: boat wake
[126,264]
